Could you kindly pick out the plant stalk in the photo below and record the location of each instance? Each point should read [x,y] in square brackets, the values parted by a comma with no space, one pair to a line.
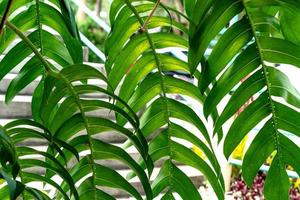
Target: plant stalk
[31,45]
[144,27]
[5,16]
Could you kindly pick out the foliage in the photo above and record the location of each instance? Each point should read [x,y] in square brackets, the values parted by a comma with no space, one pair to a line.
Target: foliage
[250,48]
[232,40]
[95,34]
[90,29]
[133,56]
[62,116]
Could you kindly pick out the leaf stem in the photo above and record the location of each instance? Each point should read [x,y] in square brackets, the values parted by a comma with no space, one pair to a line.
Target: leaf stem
[31,46]
[53,73]
[144,26]
[5,16]
[265,74]
[162,84]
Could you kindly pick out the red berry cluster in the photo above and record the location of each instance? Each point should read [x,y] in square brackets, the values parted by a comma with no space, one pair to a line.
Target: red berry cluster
[241,191]
[294,194]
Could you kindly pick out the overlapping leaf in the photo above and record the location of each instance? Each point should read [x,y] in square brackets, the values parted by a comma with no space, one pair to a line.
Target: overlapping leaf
[80,121]
[138,72]
[49,33]
[21,159]
[63,108]
[60,104]
[249,42]
[51,28]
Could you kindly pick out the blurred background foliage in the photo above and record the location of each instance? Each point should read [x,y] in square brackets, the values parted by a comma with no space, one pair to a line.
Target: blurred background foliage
[89,28]
[101,8]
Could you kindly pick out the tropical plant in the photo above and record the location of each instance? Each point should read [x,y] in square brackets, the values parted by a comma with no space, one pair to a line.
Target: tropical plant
[135,65]
[232,40]
[62,115]
[250,48]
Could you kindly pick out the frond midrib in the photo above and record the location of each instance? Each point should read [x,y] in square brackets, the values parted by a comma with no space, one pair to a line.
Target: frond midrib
[86,124]
[51,72]
[162,84]
[268,84]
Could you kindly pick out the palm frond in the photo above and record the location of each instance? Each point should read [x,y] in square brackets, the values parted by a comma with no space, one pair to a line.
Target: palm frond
[138,72]
[20,160]
[79,121]
[50,27]
[247,40]
[60,105]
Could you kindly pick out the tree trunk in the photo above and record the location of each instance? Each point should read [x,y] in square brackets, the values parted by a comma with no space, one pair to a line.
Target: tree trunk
[98,6]
[80,15]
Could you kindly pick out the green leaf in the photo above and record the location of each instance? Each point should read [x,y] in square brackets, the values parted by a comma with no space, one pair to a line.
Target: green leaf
[87,191]
[229,44]
[213,22]
[280,51]
[245,71]
[282,87]
[15,188]
[290,29]
[277,184]
[32,16]
[187,157]
[136,65]
[28,177]
[253,114]
[65,111]
[104,176]
[31,70]
[263,146]
[179,182]
[249,60]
